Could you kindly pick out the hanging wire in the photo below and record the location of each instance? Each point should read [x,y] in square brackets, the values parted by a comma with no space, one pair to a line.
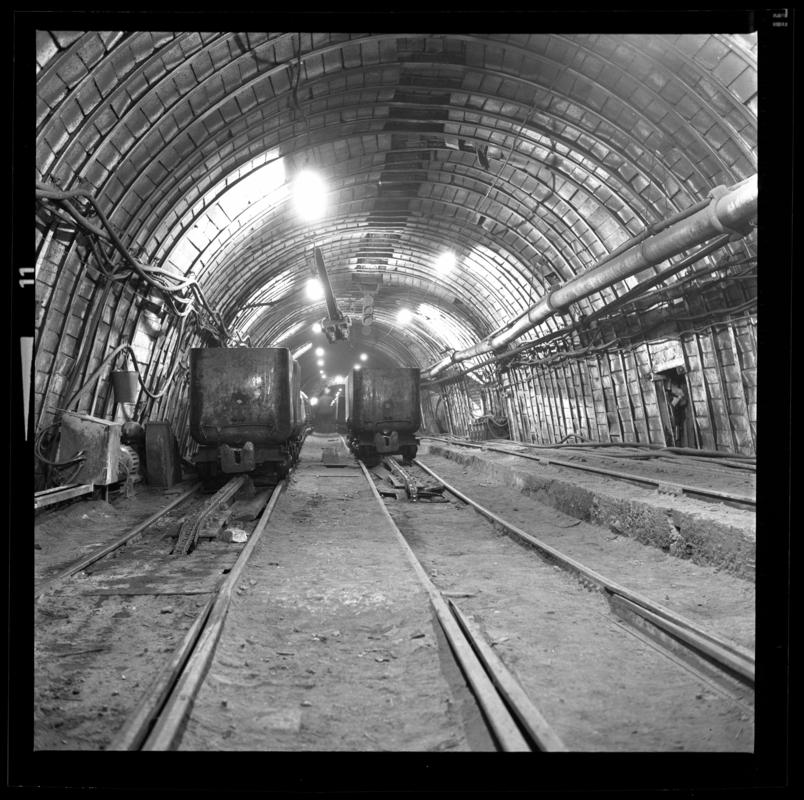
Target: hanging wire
[296,70]
[183,295]
[154,395]
[514,142]
[78,457]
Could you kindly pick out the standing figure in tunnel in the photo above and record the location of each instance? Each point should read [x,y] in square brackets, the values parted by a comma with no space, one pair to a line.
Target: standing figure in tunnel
[677,397]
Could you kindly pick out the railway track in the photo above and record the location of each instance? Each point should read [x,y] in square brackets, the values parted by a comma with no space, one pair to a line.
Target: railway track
[156,722]
[87,561]
[160,718]
[724,667]
[721,658]
[102,621]
[520,707]
[530,452]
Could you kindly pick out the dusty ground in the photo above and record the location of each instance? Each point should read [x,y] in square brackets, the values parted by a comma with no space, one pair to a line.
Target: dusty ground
[733,476]
[326,646]
[707,533]
[711,597]
[600,687]
[101,636]
[330,643]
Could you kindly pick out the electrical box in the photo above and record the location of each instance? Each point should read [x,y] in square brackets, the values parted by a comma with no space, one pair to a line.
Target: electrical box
[99,439]
[666,355]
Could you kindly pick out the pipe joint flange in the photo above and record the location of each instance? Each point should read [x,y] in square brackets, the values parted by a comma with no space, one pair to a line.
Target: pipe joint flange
[717,192]
[552,305]
[736,233]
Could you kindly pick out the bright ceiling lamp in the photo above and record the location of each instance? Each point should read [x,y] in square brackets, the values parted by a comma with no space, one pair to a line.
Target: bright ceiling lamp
[313,401]
[320,362]
[315,291]
[363,356]
[317,327]
[357,366]
[445,262]
[404,316]
[319,351]
[309,195]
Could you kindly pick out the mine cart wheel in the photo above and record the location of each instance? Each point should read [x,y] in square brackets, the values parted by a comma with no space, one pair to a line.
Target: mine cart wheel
[211,477]
[265,475]
[282,468]
[368,455]
[408,454]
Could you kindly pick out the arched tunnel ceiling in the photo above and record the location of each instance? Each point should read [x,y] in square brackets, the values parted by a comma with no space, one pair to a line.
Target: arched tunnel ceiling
[530,156]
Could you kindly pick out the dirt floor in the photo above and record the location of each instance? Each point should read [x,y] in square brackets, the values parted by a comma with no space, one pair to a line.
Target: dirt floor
[101,636]
[600,686]
[710,596]
[707,533]
[330,643]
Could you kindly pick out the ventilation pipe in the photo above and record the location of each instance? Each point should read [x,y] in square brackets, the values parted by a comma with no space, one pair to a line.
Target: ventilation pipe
[729,211]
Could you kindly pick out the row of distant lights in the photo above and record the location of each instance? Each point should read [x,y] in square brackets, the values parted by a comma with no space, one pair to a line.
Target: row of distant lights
[314,400]
[309,194]
[319,351]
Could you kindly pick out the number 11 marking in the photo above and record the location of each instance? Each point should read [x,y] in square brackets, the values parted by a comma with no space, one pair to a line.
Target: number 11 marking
[26,351]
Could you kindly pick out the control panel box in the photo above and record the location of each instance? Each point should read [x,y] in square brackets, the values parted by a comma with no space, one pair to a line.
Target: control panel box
[99,439]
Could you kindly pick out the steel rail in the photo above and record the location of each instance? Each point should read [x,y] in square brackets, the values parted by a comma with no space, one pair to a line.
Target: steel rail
[746,466]
[184,683]
[709,456]
[139,723]
[627,476]
[499,717]
[509,687]
[672,454]
[96,556]
[728,656]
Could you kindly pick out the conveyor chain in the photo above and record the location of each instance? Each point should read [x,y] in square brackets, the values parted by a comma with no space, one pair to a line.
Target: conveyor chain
[414,488]
[190,528]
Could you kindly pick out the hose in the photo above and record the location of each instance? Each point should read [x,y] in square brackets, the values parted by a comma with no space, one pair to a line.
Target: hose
[172,287]
[127,347]
[78,457]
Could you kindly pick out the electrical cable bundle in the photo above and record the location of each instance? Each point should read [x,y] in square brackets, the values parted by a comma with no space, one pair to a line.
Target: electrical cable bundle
[182,295]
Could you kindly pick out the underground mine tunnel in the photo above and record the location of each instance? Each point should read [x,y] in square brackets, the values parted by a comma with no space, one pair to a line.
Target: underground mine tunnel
[394,391]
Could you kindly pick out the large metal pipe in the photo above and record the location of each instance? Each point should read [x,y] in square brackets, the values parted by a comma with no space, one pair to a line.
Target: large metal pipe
[729,211]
